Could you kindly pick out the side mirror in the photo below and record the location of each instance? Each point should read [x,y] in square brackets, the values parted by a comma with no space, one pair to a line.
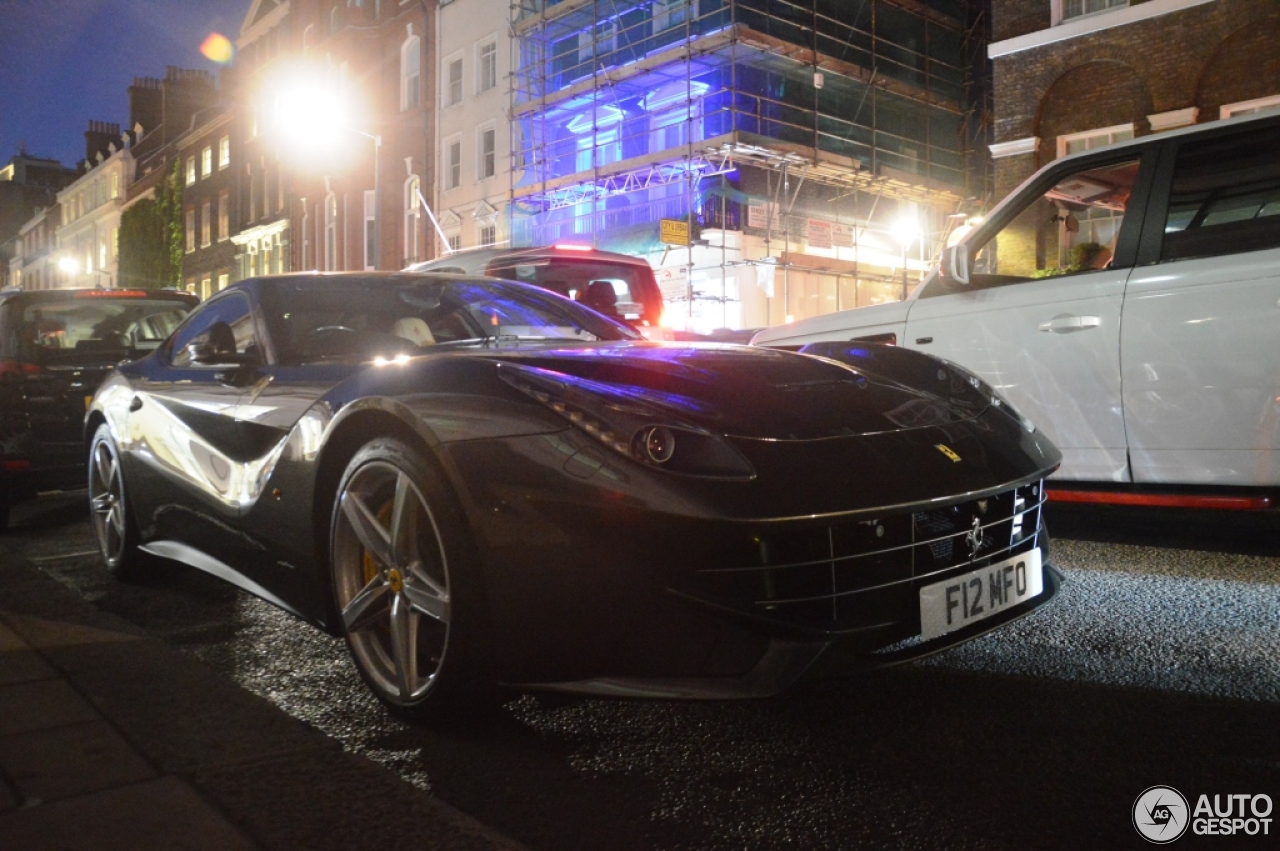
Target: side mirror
[954,265]
[209,354]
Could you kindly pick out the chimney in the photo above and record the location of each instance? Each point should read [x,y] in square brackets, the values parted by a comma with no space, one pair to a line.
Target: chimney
[99,139]
[146,103]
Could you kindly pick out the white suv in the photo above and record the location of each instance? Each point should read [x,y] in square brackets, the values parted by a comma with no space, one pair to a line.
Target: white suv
[1127,301]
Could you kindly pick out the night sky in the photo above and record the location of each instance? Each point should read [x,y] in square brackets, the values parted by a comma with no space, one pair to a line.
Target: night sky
[66,62]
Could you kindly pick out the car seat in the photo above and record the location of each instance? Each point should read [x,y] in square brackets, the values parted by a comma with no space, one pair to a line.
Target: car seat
[414,330]
[601,296]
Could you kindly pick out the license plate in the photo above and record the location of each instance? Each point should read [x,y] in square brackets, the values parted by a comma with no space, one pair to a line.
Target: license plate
[961,600]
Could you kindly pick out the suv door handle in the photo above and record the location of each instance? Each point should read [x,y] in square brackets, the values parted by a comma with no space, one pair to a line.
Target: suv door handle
[135,404]
[1065,324]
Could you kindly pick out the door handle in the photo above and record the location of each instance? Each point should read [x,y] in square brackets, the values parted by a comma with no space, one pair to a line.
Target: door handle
[135,404]
[1065,324]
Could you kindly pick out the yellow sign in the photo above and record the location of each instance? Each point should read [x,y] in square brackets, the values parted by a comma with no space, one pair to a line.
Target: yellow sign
[673,231]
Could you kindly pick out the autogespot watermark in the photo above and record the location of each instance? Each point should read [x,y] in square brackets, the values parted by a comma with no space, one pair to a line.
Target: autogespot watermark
[1161,814]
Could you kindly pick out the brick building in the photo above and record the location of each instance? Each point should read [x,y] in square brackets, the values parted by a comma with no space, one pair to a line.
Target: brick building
[355,207]
[209,197]
[1070,75]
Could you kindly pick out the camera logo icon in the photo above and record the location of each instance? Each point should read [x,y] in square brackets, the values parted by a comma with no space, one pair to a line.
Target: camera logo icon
[1160,814]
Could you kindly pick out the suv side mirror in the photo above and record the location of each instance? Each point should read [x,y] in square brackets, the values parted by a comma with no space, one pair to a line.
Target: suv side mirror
[954,265]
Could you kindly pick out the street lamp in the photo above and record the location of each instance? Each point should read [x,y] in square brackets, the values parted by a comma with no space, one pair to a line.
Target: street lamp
[906,231]
[71,266]
[311,120]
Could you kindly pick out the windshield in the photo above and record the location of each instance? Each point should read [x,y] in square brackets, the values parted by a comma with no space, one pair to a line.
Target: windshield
[83,330]
[614,289]
[361,319]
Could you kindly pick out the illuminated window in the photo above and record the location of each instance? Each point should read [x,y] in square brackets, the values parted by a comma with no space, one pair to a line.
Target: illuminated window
[206,161]
[370,229]
[191,229]
[206,224]
[223,279]
[412,220]
[191,170]
[224,152]
[224,216]
[1064,10]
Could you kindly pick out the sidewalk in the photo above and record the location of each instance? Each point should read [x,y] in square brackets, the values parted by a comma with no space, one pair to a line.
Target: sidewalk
[113,740]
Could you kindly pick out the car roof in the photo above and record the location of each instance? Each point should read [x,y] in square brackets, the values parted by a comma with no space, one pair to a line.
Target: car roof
[65,293]
[476,259]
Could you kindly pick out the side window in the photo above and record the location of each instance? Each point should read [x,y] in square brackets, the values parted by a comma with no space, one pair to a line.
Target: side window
[226,323]
[1225,197]
[1070,228]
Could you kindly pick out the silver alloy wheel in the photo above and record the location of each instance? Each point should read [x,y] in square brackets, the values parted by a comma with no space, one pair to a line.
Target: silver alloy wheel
[392,581]
[106,500]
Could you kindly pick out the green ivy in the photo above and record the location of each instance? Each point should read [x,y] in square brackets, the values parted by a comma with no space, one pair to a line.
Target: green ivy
[151,238]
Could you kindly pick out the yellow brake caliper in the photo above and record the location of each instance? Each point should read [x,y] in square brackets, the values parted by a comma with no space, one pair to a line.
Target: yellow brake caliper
[367,560]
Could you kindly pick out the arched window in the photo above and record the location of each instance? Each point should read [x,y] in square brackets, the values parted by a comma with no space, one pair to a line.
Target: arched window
[410,72]
[412,220]
[330,232]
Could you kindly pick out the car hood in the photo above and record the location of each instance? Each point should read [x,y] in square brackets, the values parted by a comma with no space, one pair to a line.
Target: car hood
[821,327]
[747,392]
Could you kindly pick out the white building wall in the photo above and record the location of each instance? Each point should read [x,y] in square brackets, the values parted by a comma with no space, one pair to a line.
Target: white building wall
[465,28]
[89,232]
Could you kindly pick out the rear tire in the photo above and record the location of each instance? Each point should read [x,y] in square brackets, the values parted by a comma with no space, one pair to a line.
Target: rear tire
[404,582]
[113,523]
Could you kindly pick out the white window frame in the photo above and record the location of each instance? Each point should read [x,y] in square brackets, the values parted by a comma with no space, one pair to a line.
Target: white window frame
[224,216]
[1058,10]
[224,152]
[189,220]
[191,170]
[1249,107]
[451,91]
[370,228]
[412,218]
[410,73]
[1114,133]
[486,69]
[330,232]
[486,161]
[206,224]
[451,151]
[206,162]
[486,234]
[668,13]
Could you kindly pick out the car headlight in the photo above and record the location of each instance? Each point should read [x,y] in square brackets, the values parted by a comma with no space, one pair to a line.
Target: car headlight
[631,422]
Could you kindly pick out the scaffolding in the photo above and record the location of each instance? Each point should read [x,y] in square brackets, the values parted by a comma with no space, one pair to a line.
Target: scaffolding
[792,137]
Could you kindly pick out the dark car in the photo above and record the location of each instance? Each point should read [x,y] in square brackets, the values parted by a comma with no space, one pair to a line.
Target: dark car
[55,347]
[616,285]
[482,483]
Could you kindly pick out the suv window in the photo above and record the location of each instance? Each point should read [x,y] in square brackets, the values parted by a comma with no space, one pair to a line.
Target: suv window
[1225,197]
[1070,228]
[88,327]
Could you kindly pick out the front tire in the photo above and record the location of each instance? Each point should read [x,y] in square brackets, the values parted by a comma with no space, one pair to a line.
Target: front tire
[404,582]
[113,523]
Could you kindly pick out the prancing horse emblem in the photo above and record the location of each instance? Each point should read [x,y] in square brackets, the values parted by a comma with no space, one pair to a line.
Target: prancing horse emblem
[974,538]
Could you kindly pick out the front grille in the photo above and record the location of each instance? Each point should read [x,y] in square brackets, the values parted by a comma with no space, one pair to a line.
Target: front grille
[866,573]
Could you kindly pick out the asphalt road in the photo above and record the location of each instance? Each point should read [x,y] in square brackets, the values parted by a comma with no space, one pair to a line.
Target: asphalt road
[1158,665]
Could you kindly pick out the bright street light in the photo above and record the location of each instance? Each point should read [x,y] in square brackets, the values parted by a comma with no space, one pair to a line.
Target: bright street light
[71,266]
[906,231]
[312,121]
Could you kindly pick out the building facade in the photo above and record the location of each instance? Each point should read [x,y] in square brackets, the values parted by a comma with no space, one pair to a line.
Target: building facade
[89,226]
[34,265]
[473,141]
[1075,74]
[209,203]
[28,188]
[806,156]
